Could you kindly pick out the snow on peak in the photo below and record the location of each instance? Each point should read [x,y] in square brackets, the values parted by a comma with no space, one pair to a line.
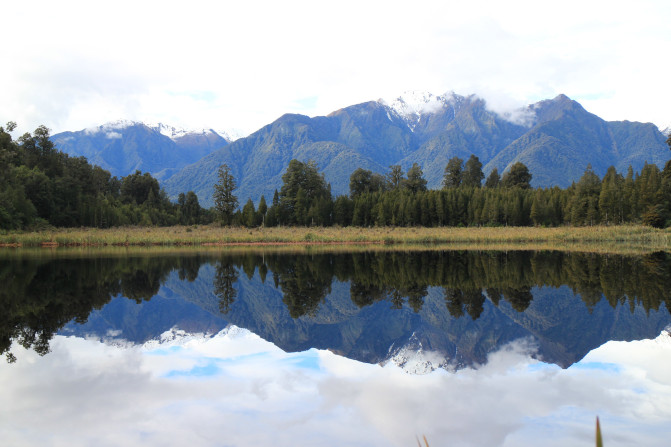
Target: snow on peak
[174,132]
[412,105]
[112,130]
[111,127]
[231,135]
[414,359]
[177,337]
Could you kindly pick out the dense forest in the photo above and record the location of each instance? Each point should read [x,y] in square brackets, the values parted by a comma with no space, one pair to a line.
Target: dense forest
[400,199]
[41,186]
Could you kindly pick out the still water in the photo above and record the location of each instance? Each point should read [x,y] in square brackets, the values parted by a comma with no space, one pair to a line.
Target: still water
[263,347]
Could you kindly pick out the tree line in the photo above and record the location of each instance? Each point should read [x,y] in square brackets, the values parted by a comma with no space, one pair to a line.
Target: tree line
[40,186]
[403,199]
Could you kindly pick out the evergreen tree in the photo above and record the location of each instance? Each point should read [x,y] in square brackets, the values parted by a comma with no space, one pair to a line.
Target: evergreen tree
[363,180]
[473,175]
[493,179]
[611,197]
[303,177]
[585,202]
[261,212]
[342,211]
[189,209]
[415,182]
[518,176]
[395,176]
[225,202]
[249,214]
[453,173]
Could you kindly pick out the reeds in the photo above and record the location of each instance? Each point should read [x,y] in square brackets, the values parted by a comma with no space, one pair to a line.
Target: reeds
[599,238]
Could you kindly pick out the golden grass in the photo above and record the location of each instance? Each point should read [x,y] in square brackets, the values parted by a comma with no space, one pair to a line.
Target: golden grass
[597,238]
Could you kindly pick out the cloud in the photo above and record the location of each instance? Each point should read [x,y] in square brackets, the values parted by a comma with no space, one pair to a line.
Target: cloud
[178,65]
[237,389]
[113,135]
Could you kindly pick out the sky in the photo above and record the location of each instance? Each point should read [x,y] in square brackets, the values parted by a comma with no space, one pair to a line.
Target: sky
[237,66]
[238,389]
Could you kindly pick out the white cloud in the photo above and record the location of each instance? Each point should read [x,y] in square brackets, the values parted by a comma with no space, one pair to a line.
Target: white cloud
[243,64]
[237,389]
[113,135]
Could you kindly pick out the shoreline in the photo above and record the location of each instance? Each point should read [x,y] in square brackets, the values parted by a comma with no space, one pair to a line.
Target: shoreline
[632,236]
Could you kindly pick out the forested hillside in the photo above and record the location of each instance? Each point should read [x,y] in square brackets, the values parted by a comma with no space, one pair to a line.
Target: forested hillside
[40,186]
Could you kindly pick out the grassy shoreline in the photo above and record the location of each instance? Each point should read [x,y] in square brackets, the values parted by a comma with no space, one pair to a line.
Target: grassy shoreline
[595,238]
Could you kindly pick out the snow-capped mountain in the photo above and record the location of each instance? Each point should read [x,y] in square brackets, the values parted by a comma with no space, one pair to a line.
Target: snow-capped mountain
[124,146]
[176,133]
[556,138]
[411,106]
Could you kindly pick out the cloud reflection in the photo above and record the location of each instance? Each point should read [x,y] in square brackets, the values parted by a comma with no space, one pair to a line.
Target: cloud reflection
[237,389]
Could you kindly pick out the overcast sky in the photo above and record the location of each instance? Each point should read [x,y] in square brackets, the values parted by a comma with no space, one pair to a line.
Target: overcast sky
[240,65]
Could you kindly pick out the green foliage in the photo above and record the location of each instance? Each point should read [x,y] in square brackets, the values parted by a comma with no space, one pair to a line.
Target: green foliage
[493,179]
[225,202]
[395,176]
[473,174]
[249,214]
[518,176]
[363,180]
[39,182]
[305,197]
[415,181]
[453,173]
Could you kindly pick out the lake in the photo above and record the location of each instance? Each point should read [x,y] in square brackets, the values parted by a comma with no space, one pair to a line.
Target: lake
[347,346]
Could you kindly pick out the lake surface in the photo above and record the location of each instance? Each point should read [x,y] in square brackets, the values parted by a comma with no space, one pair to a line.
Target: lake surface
[305,346]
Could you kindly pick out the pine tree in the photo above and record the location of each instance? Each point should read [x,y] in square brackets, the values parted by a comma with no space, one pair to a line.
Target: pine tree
[261,212]
[611,197]
[249,214]
[453,173]
[493,179]
[416,181]
[473,175]
[225,202]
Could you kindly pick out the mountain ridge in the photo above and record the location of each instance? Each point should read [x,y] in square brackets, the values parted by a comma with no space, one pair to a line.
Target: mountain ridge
[125,146]
[556,138]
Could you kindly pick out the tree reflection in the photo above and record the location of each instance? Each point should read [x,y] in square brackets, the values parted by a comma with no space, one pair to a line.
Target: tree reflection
[40,296]
[224,278]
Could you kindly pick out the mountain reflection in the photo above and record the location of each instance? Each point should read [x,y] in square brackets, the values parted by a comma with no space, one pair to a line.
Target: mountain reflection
[364,305]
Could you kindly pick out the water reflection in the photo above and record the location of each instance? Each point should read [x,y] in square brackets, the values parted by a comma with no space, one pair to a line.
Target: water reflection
[237,389]
[369,306]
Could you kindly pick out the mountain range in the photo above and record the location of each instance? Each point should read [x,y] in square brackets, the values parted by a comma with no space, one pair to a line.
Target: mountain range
[556,138]
[122,147]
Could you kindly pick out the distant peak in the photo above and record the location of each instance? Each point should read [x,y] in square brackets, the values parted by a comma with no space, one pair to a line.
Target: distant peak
[174,132]
[418,102]
[412,105]
[111,126]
